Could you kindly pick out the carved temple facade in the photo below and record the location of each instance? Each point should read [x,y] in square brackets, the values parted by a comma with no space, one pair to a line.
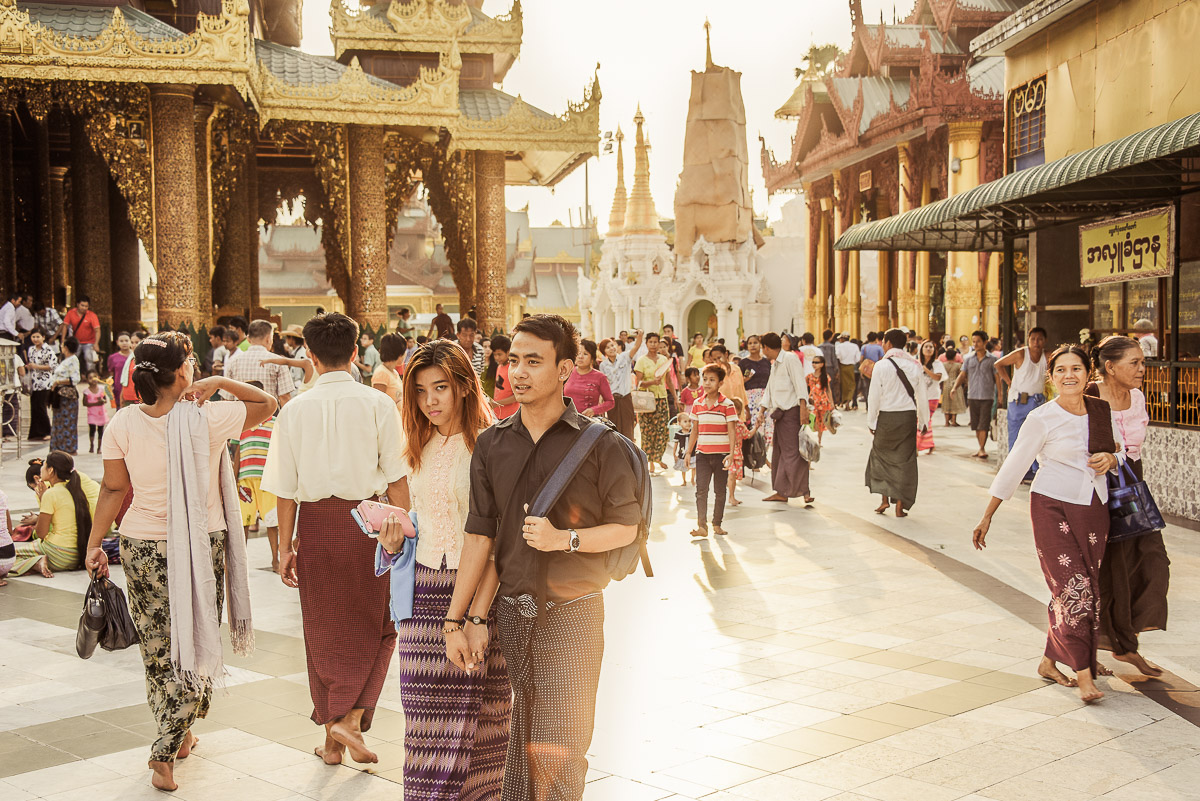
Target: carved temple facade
[906,117]
[184,131]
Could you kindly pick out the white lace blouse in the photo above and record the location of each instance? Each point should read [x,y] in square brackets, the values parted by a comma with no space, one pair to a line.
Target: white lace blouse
[440,491]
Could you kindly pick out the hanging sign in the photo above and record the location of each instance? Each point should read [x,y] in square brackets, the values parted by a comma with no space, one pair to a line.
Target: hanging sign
[1128,248]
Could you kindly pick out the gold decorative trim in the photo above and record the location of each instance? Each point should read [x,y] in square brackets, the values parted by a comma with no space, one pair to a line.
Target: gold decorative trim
[524,128]
[425,26]
[431,101]
[219,51]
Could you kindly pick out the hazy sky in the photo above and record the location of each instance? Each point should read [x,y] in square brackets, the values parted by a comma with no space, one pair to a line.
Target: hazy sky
[646,50]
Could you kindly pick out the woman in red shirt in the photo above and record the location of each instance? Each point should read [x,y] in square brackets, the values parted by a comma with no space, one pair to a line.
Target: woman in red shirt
[587,386]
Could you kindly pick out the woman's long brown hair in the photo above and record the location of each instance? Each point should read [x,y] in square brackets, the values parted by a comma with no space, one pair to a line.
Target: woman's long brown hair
[476,415]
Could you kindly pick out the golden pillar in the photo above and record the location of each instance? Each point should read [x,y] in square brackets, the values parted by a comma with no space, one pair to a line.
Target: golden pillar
[89,193]
[126,267]
[962,279]
[368,227]
[204,261]
[251,223]
[491,258]
[854,291]
[231,280]
[921,322]
[991,293]
[820,314]
[836,256]
[45,213]
[8,238]
[61,240]
[905,297]
[176,251]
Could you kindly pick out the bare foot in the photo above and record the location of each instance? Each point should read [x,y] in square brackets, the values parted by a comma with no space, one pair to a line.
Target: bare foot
[776,498]
[1138,661]
[163,778]
[1088,691]
[700,532]
[190,741]
[900,509]
[734,502]
[331,752]
[883,507]
[1050,672]
[352,739]
[3,582]
[43,566]
[719,530]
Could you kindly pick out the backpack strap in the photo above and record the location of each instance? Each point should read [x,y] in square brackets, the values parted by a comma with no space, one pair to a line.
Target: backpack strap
[908,387]
[557,481]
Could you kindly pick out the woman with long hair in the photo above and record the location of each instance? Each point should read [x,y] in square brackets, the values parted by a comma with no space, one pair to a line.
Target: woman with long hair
[756,371]
[1136,572]
[64,382]
[184,556]
[456,722]
[933,374]
[66,502]
[954,397]
[819,399]
[39,365]
[1076,444]
[650,374]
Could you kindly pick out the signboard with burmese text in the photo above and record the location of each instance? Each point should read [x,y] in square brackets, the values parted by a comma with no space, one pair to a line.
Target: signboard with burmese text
[1127,248]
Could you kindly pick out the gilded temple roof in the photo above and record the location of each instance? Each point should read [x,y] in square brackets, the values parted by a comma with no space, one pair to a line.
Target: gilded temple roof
[88,22]
[484,105]
[297,68]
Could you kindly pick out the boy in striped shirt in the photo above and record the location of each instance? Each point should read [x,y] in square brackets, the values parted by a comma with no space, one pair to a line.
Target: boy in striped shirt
[713,438]
[251,450]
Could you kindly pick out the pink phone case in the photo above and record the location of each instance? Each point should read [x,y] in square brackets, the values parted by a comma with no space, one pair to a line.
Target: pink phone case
[374,514]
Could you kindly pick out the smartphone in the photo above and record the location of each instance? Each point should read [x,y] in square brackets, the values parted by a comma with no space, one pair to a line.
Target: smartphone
[370,516]
[365,529]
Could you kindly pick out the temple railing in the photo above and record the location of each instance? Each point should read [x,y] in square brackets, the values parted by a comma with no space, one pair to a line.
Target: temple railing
[1172,391]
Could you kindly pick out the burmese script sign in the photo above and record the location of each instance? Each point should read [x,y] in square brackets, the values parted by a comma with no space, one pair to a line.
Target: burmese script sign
[1127,248]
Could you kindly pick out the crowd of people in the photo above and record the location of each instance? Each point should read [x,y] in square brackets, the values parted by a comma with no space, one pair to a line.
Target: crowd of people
[497,613]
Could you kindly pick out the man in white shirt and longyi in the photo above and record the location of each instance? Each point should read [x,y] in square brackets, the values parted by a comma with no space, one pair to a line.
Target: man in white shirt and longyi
[786,400]
[897,406]
[334,446]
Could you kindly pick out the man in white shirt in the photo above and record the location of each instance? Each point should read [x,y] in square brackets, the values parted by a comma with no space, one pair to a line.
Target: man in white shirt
[1027,387]
[1143,332]
[848,355]
[8,317]
[897,406]
[810,350]
[786,400]
[333,447]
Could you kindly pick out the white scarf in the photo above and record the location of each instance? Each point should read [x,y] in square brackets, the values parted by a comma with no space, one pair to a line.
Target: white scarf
[196,653]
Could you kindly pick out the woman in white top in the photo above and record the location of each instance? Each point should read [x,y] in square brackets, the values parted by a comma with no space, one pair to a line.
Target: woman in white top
[1136,572]
[1074,440]
[933,373]
[456,723]
[618,369]
[64,383]
[135,451]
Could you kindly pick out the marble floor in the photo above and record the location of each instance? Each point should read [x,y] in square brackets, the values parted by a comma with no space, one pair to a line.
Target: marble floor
[819,653]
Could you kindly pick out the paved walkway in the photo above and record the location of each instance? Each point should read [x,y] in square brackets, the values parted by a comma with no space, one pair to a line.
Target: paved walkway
[822,653]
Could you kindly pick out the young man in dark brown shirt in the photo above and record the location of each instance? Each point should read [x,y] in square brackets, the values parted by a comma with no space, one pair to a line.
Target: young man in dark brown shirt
[550,605]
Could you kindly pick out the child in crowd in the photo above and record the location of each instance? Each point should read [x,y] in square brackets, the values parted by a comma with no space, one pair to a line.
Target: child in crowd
[692,391]
[713,440]
[257,504]
[95,398]
[736,461]
[8,551]
[683,430]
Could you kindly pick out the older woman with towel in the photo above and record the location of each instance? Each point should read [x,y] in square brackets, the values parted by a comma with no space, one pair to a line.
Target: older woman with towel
[182,530]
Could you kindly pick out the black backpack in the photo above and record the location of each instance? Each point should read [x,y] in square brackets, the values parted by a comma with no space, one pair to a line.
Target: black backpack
[620,562]
[754,452]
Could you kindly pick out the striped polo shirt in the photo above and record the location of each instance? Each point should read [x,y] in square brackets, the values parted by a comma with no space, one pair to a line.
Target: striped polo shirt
[254,444]
[712,432]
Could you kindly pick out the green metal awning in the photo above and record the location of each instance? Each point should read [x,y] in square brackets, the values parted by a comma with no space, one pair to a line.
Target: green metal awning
[1141,170]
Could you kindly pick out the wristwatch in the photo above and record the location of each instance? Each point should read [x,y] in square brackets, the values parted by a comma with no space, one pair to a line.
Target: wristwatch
[477,620]
[574,546]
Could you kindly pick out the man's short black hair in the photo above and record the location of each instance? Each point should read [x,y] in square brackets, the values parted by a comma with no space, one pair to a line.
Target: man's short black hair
[651,335]
[872,336]
[368,333]
[467,324]
[217,331]
[422,339]
[553,329]
[78,300]
[808,338]
[717,370]
[13,295]
[332,338]
[1037,329]
[827,334]
[895,338]
[771,340]
[668,325]
[719,348]
[239,323]
[981,334]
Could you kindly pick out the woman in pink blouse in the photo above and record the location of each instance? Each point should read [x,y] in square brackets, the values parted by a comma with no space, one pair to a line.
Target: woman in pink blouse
[1136,571]
[456,722]
[587,386]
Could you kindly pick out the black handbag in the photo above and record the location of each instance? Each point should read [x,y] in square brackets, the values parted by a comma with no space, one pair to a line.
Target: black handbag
[1131,508]
[105,620]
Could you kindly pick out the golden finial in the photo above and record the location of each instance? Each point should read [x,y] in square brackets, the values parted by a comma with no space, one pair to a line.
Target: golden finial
[708,62]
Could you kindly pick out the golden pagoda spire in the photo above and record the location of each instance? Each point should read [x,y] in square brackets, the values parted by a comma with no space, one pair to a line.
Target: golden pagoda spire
[616,217]
[640,216]
[708,62]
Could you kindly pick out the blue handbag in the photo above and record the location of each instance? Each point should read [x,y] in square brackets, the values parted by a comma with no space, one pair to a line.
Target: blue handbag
[1131,508]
